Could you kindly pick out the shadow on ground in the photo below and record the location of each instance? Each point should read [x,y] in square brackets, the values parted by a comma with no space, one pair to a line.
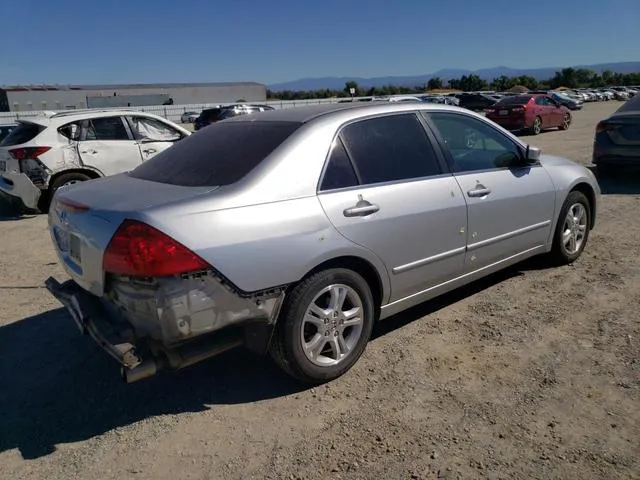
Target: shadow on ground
[58,387]
[10,210]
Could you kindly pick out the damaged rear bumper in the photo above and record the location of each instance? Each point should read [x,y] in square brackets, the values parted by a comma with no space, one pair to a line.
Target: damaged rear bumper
[140,354]
[19,185]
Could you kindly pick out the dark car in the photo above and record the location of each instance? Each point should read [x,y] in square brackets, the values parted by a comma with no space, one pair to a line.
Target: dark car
[529,112]
[567,101]
[476,101]
[5,130]
[617,140]
[212,115]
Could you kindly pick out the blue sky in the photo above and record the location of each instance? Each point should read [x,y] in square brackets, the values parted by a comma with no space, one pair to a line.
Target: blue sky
[94,41]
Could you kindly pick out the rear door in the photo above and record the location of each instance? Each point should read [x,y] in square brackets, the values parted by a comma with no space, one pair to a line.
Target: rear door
[544,111]
[106,143]
[152,136]
[384,188]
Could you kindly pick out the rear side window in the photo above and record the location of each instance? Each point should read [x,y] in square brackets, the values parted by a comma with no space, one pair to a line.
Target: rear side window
[339,172]
[390,148]
[218,155]
[23,133]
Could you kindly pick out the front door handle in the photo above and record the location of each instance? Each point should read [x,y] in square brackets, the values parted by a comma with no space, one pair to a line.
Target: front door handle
[361,209]
[479,192]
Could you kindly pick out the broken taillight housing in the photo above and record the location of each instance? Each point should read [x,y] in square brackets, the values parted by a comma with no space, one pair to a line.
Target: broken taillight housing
[28,153]
[139,250]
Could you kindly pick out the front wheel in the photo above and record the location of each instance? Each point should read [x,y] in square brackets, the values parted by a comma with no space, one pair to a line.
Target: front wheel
[572,230]
[324,327]
[566,121]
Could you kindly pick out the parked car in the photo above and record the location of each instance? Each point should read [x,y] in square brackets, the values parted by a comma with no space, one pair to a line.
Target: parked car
[292,232]
[567,101]
[476,101]
[189,117]
[530,112]
[212,115]
[6,130]
[47,152]
[616,145]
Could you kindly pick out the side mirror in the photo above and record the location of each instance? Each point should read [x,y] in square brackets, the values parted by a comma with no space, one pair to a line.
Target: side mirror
[532,154]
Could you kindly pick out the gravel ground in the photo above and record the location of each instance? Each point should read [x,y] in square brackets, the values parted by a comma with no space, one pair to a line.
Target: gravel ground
[533,373]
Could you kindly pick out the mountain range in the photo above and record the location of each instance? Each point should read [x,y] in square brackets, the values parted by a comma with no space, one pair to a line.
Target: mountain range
[337,83]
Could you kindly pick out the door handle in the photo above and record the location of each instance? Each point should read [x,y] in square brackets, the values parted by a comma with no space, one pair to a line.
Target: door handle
[150,150]
[92,152]
[479,192]
[361,209]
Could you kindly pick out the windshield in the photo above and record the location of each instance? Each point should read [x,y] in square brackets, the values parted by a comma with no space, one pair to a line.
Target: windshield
[219,155]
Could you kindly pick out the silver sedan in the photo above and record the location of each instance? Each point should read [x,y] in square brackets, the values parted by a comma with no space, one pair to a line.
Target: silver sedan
[293,231]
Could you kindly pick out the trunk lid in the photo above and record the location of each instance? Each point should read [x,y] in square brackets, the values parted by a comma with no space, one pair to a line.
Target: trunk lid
[84,217]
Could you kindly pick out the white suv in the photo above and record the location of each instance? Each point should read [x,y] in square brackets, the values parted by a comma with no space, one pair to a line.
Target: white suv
[45,153]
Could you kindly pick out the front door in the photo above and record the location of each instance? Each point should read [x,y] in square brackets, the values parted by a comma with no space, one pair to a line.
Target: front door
[106,144]
[152,135]
[384,189]
[510,204]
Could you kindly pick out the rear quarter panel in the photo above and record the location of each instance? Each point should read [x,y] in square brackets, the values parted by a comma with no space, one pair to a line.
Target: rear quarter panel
[262,246]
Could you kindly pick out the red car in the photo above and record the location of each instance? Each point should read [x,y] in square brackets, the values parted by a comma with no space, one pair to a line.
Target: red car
[533,112]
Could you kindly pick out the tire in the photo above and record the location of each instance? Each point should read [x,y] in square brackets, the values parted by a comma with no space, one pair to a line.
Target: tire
[319,363]
[536,128]
[64,179]
[566,121]
[562,253]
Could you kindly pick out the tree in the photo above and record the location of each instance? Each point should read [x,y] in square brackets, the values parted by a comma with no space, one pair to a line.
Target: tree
[434,83]
[470,83]
[502,83]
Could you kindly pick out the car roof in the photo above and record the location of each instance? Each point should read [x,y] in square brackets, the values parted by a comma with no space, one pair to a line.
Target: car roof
[307,113]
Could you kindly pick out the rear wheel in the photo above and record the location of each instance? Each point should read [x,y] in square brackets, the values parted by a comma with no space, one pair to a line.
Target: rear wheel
[566,121]
[537,126]
[61,181]
[324,326]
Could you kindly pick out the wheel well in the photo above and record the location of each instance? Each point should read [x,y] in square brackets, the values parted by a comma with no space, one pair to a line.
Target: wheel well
[90,173]
[360,266]
[588,192]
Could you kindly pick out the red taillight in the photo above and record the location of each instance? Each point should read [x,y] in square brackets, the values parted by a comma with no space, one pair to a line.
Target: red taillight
[604,127]
[139,250]
[28,153]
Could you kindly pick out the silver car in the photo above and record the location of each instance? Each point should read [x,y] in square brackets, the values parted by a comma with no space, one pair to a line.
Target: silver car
[293,231]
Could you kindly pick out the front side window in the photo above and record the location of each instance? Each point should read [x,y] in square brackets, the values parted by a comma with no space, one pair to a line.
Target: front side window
[390,148]
[152,130]
[107,128]
[473,144]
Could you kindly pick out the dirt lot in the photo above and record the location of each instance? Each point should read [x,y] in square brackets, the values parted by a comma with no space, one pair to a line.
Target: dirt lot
[531,374]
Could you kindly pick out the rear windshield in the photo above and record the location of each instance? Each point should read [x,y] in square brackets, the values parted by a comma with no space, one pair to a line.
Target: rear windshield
[24,132]
[631,105]
[516,100]
[218,155]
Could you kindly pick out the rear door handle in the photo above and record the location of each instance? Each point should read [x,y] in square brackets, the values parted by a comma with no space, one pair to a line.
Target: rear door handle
[479,192]
[362,209]
[150,150]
